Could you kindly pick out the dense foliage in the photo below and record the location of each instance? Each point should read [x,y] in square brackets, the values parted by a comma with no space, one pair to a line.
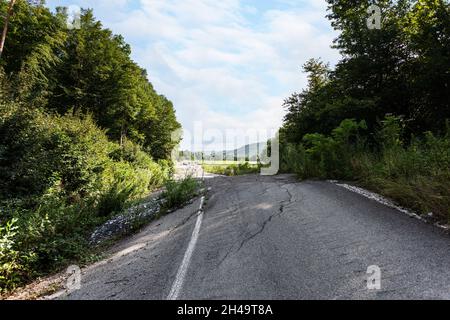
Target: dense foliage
[85,71]
[381,115]
[82,133]
[401,69]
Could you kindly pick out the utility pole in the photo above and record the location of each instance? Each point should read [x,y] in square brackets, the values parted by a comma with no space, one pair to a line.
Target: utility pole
[5,27]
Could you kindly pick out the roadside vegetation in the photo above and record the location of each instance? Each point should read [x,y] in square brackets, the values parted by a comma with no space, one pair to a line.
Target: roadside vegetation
[173,195]
[177,193]
[381,117]
[83,135]
[415,174]
[235,169]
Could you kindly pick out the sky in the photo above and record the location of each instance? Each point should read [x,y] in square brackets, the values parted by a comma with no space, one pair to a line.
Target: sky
[226,65]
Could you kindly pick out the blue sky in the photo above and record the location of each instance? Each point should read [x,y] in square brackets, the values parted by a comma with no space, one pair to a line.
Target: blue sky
[226,65]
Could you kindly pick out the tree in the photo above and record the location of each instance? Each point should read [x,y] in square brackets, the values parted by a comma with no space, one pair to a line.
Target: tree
[98,77]
[159,132]
[404,66]
[301,106]
[9,12]
[427,35]
[34,48]
[85,71]
[401,69]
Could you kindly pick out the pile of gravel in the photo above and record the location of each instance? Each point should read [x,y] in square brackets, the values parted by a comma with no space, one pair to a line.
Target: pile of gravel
[124,223]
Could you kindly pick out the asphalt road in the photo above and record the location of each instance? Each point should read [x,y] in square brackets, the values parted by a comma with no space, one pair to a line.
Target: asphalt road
[276,238]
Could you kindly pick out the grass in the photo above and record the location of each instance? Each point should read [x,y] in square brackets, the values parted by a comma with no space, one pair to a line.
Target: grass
[415,174]
[233,169]
[228,162]
[422,185]
[177,193]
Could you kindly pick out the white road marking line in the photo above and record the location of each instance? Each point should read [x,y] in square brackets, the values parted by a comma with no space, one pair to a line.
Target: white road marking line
[181,274]
[374,196]
[379,198]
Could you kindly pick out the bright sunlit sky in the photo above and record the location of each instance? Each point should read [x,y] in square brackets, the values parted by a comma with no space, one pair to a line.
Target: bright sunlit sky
[224,64]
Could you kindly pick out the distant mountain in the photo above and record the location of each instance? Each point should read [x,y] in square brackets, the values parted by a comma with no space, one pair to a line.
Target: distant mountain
[250,152]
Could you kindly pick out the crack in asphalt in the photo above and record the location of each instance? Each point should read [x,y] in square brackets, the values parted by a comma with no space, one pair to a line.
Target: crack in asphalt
[237,210]
[182,223]
[283,205]
[263,226]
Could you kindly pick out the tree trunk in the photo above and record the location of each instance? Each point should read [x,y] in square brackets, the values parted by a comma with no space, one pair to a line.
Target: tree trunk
[5,27]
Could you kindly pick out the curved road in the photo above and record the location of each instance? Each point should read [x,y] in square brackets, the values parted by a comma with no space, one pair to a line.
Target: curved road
[276,238]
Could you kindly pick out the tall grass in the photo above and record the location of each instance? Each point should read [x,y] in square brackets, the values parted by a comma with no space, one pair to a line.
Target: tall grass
[415,174]
[177,193]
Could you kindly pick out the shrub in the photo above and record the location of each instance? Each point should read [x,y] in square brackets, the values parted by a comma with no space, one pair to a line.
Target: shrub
[12,268]
[321,156]
[38,151]
[293,159]
[416,174]
[121,182]
[153,174]
[177,193]
[60,177]
[54,233]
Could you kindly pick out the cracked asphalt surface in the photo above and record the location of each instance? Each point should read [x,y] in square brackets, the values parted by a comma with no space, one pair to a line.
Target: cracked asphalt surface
[277,238]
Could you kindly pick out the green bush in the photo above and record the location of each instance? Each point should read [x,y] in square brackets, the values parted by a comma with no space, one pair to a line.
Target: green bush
[12,269]
[54,233]
[121,182]
[324,157]
[114,200]
[416,174]
[38,151]
[177,193]
[60,177]
[147,173]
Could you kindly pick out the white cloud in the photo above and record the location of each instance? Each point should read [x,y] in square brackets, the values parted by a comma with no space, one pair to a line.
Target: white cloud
[225,63]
